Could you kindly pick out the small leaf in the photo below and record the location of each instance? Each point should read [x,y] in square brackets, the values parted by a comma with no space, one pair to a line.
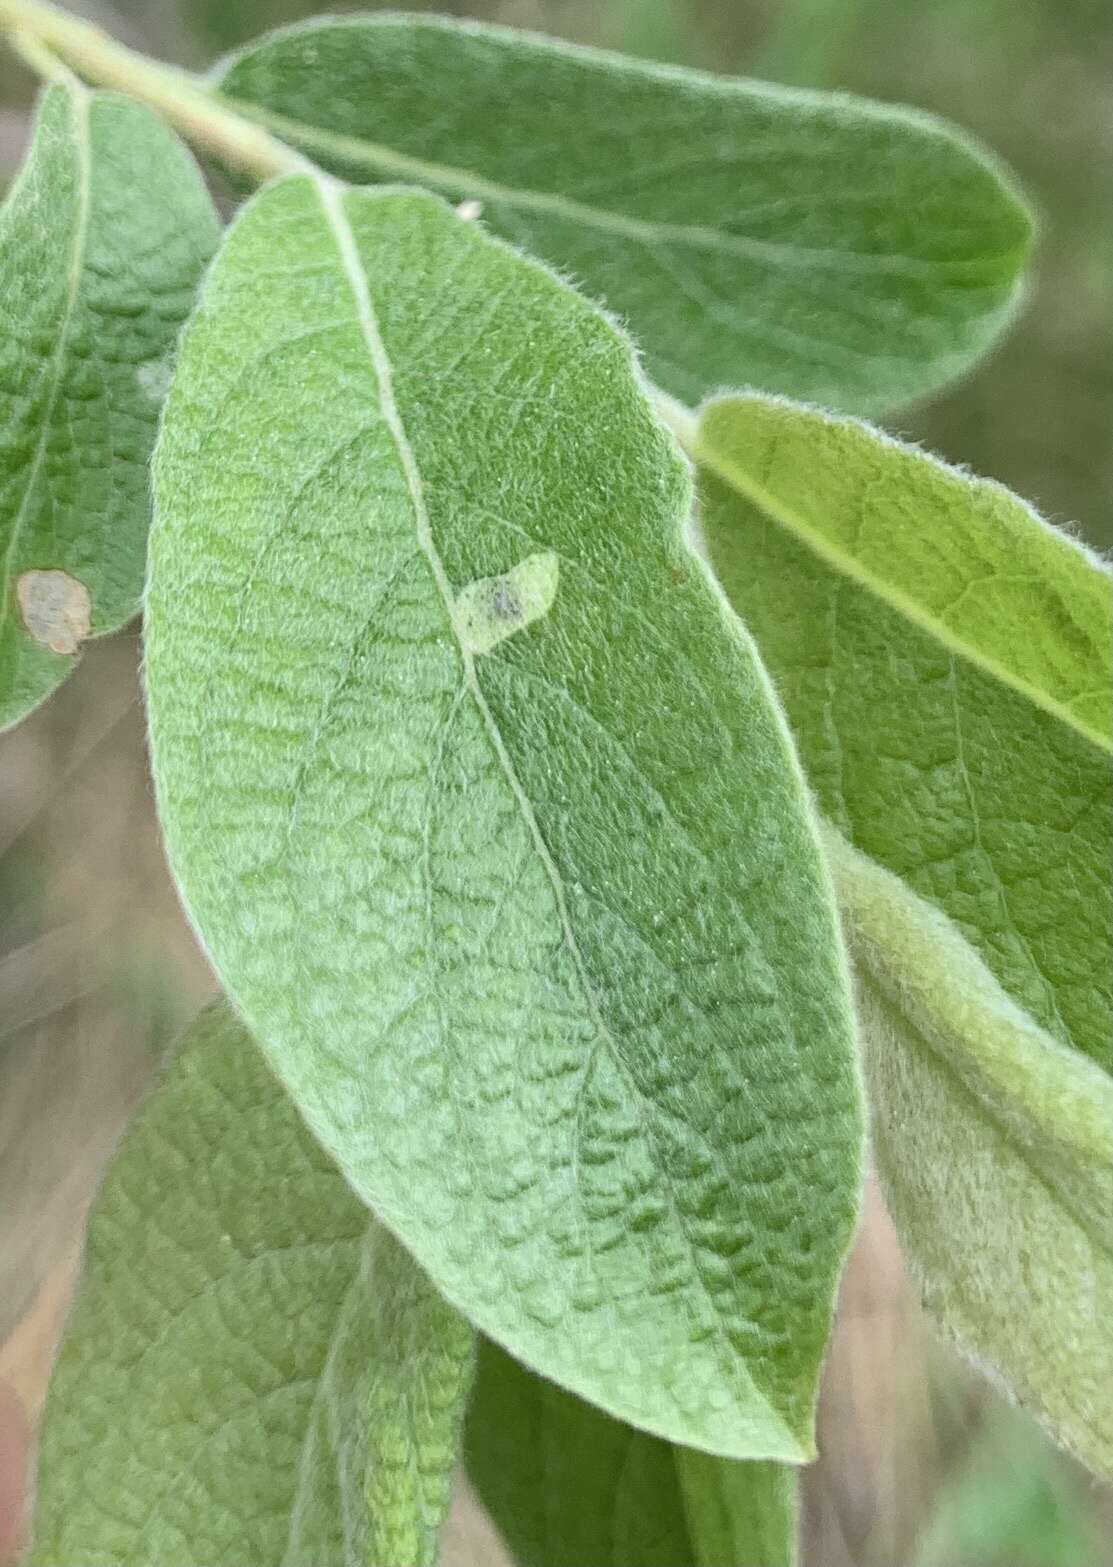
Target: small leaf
[254,1371]
[995,1144]
[944,658]
[568,1486]
[103,238]
[808,243]
[536,929]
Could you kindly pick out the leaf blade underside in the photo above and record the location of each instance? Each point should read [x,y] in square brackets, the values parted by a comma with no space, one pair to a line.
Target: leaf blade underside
[948,759]
[995,1146]
[103,239]
[711,214]
[557,990]
[254,1371]
[971,792]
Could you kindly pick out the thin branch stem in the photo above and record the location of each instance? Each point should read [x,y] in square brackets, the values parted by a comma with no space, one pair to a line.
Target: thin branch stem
[39,31]
[38,58]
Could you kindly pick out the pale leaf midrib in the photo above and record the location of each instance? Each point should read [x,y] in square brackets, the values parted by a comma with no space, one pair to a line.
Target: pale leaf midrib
[80,100]
[780,512]
[459,182]
[331,193]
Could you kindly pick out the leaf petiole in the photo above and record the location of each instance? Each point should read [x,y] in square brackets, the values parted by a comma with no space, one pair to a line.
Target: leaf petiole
[39,33]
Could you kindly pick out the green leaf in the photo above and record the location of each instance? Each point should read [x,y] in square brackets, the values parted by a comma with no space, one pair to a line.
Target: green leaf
[534,925]
[965,758]
[944,658]
[568,1486]
[254,1371]
[103,238]
[995,1145]
[739,1514]
[805,243]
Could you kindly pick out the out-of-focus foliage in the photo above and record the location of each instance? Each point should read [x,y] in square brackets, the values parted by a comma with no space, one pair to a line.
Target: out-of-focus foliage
[1014,1502]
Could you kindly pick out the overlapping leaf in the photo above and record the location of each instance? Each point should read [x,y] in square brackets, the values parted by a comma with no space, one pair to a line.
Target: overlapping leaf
[482,804]
[945,660]
[254,1372]
[570,1487]
[103,238]
[806,243]
[995,1143]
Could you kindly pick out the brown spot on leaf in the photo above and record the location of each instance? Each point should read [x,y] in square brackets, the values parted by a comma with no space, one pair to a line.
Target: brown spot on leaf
[56,609]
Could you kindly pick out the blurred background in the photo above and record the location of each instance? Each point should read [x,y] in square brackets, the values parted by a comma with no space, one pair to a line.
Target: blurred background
[922,1466]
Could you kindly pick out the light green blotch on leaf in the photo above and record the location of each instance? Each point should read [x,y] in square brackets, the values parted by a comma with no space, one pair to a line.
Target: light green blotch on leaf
[494,608]
[55,609]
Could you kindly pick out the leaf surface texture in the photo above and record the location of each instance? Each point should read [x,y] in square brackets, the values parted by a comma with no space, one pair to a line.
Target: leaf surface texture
[535,927]
[944,658]
[995,1144]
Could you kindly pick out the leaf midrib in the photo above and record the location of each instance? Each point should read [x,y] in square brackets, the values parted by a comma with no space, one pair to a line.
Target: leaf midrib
[331,193]
[464,183]
[79,99]
[707,455]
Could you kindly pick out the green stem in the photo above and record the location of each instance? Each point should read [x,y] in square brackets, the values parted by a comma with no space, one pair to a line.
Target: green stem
[680,419]
[38,58]
[39,31]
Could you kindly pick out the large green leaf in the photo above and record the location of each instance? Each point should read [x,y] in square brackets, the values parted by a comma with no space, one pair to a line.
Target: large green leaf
[254,1372]
[481,802]
[968,753]
[946,663]
[103,238]
[805,243]
[568,1486]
